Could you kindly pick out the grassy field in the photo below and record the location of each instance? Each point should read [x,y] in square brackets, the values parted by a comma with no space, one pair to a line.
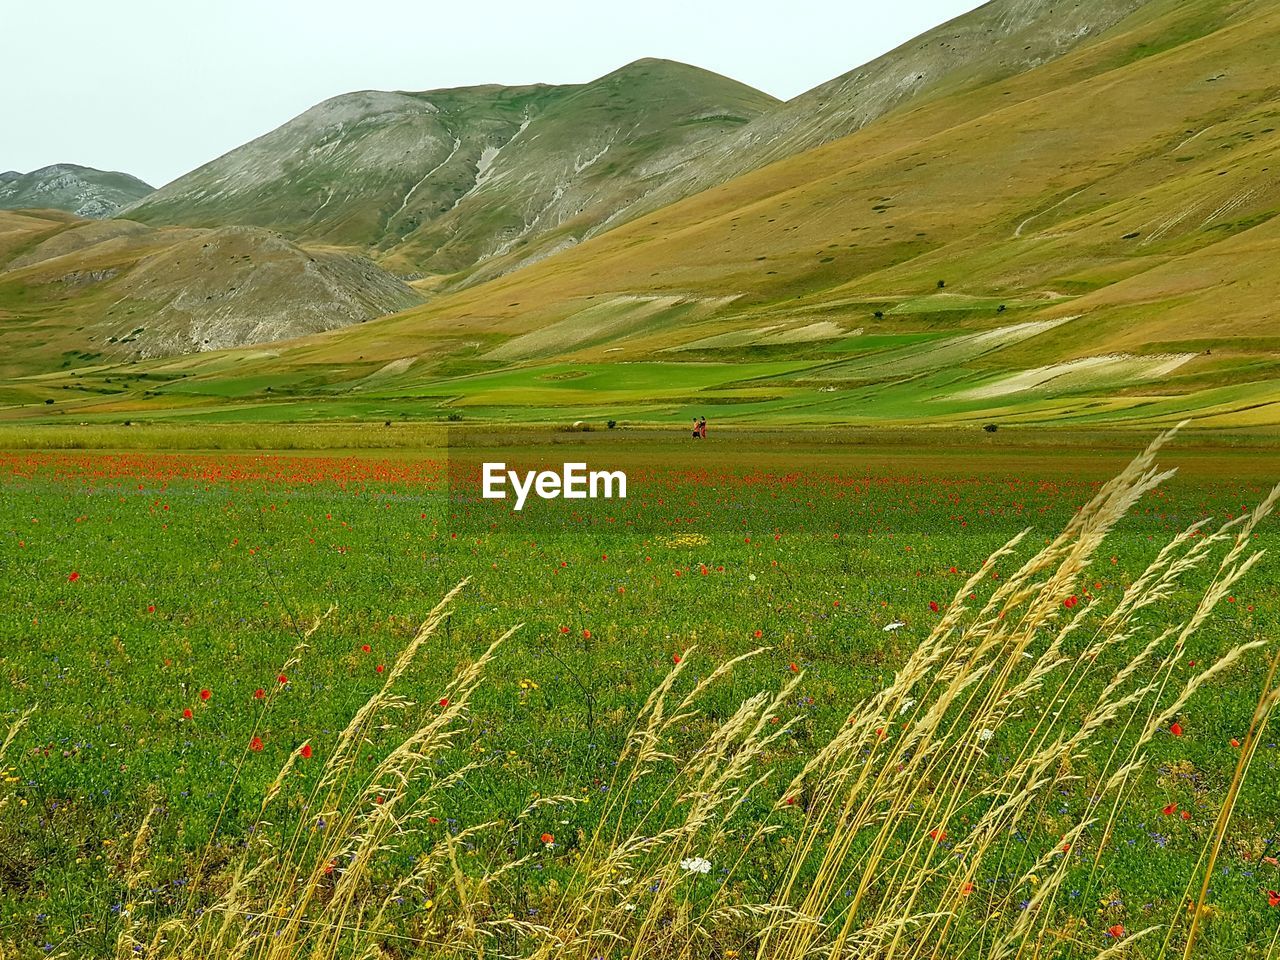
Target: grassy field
[186,624]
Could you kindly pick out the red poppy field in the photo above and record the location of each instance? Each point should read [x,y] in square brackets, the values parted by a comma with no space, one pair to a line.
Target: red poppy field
[189,636]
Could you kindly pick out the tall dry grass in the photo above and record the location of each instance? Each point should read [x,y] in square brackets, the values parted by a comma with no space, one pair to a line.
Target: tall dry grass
[898,838]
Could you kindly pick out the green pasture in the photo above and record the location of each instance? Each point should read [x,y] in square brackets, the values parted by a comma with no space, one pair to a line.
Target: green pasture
[133,580]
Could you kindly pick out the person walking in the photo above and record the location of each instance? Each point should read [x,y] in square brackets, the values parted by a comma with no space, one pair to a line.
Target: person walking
[696,433]
[702,427]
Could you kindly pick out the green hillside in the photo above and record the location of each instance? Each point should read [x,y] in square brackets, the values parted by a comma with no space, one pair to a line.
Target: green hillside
[999,40]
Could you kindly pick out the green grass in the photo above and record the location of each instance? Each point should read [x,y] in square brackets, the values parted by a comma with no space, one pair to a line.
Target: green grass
[238,552]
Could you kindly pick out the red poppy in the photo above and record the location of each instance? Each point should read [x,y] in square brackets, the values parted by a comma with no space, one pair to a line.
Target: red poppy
[1116,930]
[793,668]
[205,694]
[675,658]
[444,701]
[937,834]
[186,713]
[1235,742]
[1175,728]
[933,605]
[1170,810]
[73,576]
[1071,601]
[1273,898]
[259,694]
[586,634]
[759,634]
[378,799]
[305,752]
[1186,814]
[791,801]
[151,608]
[282,679]
[548,838]
[365,648]
[255,743]
[379,668]
[564,629]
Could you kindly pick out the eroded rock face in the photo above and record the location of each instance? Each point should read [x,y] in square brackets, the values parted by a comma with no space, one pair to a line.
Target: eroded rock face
[84,191]
[130,291]
[244,285]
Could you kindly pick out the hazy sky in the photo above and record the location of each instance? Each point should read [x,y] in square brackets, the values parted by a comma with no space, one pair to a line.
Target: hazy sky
[157,88]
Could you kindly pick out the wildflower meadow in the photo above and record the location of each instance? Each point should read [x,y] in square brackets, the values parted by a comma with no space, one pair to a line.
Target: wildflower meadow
[882,701]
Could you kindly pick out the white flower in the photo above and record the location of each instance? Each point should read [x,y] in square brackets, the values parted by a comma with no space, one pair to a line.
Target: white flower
[907,704]
[695,865]
[894,625]
[984,734]
[751,577]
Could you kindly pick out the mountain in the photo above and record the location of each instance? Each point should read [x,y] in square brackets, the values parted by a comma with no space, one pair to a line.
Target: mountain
[1090,240]
[84,191]
[440,181]
[76,292]
[480,181]
[998,40]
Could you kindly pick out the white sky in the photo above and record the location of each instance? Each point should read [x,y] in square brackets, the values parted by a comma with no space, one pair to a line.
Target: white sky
[158,87]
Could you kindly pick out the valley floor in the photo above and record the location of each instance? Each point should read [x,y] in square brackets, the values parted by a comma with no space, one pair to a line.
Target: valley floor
[156,600]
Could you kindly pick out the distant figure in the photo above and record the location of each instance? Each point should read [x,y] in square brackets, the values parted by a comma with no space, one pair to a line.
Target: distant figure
[702,427]
[696,432]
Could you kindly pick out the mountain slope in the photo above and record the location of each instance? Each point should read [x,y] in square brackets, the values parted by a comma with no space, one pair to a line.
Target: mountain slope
[1091,239]
[1094,240]
[484,180]
[1000,39]
[84,191]
[916,197]
[90,292]
[439,181]
[588,154]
